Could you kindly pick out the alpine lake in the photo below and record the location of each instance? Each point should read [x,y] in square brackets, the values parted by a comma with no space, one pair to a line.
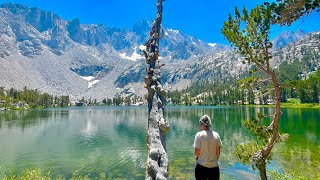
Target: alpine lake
[112,140]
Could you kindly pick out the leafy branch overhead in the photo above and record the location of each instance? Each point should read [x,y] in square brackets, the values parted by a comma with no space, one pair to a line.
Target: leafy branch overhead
[288,11]
[253,41]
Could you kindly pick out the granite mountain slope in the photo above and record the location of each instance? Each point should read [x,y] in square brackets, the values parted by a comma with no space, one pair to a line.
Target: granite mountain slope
[95,61]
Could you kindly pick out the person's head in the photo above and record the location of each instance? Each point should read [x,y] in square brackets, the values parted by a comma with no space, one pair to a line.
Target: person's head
[205,122]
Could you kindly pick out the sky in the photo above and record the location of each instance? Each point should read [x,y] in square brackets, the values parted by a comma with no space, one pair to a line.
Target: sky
[200,18]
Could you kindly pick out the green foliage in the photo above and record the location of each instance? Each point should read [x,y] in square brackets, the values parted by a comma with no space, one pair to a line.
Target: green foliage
[11,176]
[37,174]
[289,71]
[288,11]
[261,131]
[306,90]
[249,32]
[255,125]
[294,101]
[252,41]
[175,97]
[109,102]
[31,174]
[248,81]
[244,152]
[76,176]
[28,98]
[117,101]
[292,174]
[102,176]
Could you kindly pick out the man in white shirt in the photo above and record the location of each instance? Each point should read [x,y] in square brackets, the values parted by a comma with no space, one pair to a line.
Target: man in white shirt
[207,145]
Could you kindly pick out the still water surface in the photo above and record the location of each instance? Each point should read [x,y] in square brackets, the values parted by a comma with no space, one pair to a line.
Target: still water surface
[112,140]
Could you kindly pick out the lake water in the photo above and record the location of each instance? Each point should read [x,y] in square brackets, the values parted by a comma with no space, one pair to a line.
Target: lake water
[112,140]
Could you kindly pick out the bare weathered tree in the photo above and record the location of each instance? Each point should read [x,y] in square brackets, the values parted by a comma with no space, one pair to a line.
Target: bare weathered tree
[157,161]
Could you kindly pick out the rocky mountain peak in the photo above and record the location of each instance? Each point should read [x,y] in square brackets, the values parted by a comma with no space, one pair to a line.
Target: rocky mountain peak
[142,28]
[59,56]
[15,8]
[39,19]
[287,37]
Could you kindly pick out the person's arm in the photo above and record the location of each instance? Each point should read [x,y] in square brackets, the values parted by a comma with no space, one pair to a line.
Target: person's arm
[196,145]
[218,147]
[197,152]
[218,151]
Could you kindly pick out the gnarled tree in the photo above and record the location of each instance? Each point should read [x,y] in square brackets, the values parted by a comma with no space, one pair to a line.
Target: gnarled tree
[249,32]
[157,160]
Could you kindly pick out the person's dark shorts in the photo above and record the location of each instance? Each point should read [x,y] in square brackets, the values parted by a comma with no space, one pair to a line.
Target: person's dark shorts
[204,173]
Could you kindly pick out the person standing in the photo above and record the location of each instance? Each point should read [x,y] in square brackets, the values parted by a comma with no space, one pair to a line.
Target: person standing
[207,145]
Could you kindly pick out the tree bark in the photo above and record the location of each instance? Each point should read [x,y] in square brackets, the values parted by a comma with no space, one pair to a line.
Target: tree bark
[157,160]
[260,157]
[262,170]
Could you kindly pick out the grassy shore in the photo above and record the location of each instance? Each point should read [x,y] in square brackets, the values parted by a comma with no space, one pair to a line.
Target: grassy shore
[291,105]
[302,105]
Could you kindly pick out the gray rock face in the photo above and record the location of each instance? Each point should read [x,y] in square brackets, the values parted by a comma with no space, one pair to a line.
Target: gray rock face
[287,38]
[30,48]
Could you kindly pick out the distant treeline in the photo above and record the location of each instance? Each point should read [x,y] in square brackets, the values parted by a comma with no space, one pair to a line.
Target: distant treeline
[127,101]
[28,98]
[305,87]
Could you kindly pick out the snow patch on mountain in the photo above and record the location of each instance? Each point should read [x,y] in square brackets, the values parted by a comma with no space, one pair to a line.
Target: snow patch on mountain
[134,57]
[91,83]
[88,78]
[174,31]
[91,80]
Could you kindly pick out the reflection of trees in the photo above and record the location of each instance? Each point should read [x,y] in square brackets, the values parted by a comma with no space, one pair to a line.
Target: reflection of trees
[294,157]
[301,151]
[301,121]
[117,144]
[184,125]
[127,124]
[23,119]
[128,142]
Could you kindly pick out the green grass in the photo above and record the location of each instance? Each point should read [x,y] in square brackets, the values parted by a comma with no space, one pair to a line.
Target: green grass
[292,174]
[290,105]
[302,105]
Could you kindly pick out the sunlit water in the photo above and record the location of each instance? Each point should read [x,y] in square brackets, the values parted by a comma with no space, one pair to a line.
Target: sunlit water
[112,140]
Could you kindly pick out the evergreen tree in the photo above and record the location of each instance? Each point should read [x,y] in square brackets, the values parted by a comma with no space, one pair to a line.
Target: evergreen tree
[248,32]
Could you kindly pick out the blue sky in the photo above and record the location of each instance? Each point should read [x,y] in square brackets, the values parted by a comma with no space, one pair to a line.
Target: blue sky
[200,18]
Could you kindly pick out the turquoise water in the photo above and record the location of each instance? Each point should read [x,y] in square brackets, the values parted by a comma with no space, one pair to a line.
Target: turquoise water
[112,140]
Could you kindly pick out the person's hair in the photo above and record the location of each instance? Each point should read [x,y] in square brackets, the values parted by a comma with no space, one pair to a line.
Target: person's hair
[205,120]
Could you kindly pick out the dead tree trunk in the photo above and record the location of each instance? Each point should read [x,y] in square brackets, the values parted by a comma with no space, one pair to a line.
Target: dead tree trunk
[157,161]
